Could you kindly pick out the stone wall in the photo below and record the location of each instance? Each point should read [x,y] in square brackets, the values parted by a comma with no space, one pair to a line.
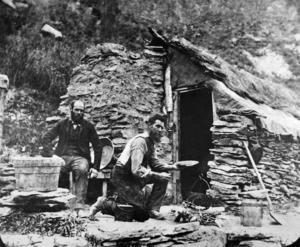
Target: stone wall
[231,171]
[280,169]
[7,178]
[121,90]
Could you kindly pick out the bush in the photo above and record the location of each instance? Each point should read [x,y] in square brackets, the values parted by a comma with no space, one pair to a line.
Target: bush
[40,62]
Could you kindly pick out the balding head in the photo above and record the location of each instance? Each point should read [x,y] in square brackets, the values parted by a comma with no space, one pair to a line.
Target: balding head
[77,103]
[77,111]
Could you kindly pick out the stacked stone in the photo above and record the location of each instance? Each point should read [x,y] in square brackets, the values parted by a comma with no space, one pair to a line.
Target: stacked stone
[232,171]
[35,201]
[7,179]
[120,89]
[281,169]
[229,171]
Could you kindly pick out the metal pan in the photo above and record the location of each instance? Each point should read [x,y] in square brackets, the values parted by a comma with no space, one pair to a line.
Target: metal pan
[107,151]
[187,163]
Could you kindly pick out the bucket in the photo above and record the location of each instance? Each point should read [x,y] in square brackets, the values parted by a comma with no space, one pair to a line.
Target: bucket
[252,212]
[124,213]
[37,173]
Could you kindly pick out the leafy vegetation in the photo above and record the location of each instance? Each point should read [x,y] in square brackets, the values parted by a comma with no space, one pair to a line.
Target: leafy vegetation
[24,120]
[228,28]
[221,26]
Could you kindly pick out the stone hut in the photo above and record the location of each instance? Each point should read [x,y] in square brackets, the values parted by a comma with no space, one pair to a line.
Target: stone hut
[120,90]
[212,110]
[216,109]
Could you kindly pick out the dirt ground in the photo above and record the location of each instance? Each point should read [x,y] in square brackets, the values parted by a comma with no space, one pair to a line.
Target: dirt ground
[286,234]
[105,225]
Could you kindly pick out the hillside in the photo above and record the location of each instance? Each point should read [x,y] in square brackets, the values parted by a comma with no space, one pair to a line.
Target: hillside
[259,36]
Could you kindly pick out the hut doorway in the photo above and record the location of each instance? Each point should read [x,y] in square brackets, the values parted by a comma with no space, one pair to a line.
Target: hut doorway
[195,120]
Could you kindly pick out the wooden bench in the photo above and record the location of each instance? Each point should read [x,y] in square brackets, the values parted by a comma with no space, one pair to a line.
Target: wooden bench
[104,175]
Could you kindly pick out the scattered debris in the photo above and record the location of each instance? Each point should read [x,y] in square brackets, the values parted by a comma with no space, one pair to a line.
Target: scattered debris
[19,221]
[190,212]
[185,216]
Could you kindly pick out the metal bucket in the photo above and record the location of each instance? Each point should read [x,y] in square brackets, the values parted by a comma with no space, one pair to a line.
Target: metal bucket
[124,213]
[252,212]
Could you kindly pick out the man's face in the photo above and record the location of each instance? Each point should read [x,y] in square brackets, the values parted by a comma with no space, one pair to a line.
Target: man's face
[77,112]
[156,130]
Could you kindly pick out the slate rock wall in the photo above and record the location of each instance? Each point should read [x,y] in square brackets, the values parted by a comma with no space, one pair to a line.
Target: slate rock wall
[231,171]
[121,89]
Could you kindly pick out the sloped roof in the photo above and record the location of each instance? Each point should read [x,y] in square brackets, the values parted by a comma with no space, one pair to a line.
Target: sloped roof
[278,104]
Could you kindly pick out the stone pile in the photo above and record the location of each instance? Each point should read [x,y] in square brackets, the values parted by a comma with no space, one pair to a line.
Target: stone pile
[230,168]
[7,179]
[38,201]
[231,171]
[281,168]
[160,235]
[120,89]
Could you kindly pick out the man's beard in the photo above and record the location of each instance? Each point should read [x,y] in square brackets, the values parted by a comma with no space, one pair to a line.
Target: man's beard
[155,135]
[76,118]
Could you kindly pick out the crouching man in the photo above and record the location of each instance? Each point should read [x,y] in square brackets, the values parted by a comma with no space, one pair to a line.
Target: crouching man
[75,135]
[136,167]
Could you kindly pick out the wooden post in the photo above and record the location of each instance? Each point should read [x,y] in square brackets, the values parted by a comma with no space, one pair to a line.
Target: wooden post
[176,185]
[4,82]
[168,90]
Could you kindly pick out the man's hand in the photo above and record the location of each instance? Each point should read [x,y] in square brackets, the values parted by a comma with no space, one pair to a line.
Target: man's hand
[177,166]
[46,153]
[93,173]
[164,176]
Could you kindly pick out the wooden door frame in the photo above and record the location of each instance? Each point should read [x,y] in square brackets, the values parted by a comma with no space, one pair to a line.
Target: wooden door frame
[176,182]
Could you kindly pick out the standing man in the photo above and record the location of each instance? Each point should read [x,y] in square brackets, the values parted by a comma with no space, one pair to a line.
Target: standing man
[136,167]
[75,135]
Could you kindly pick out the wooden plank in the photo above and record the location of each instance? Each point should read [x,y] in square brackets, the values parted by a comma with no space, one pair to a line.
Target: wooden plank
[214,107]
[104,174]
[176,174]
[104,188]
[2,96]
[4,83]
[168,90]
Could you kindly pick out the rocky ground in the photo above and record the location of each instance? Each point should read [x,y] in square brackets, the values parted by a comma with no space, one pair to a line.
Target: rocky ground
[105,231]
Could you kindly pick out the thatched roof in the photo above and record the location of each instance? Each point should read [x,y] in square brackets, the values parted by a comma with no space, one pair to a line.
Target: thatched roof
[238,89]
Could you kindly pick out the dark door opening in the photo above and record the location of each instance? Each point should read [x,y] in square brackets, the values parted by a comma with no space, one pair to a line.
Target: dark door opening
[195,121]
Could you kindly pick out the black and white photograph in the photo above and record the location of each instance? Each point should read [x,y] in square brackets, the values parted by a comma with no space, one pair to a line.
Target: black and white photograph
[150,123]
